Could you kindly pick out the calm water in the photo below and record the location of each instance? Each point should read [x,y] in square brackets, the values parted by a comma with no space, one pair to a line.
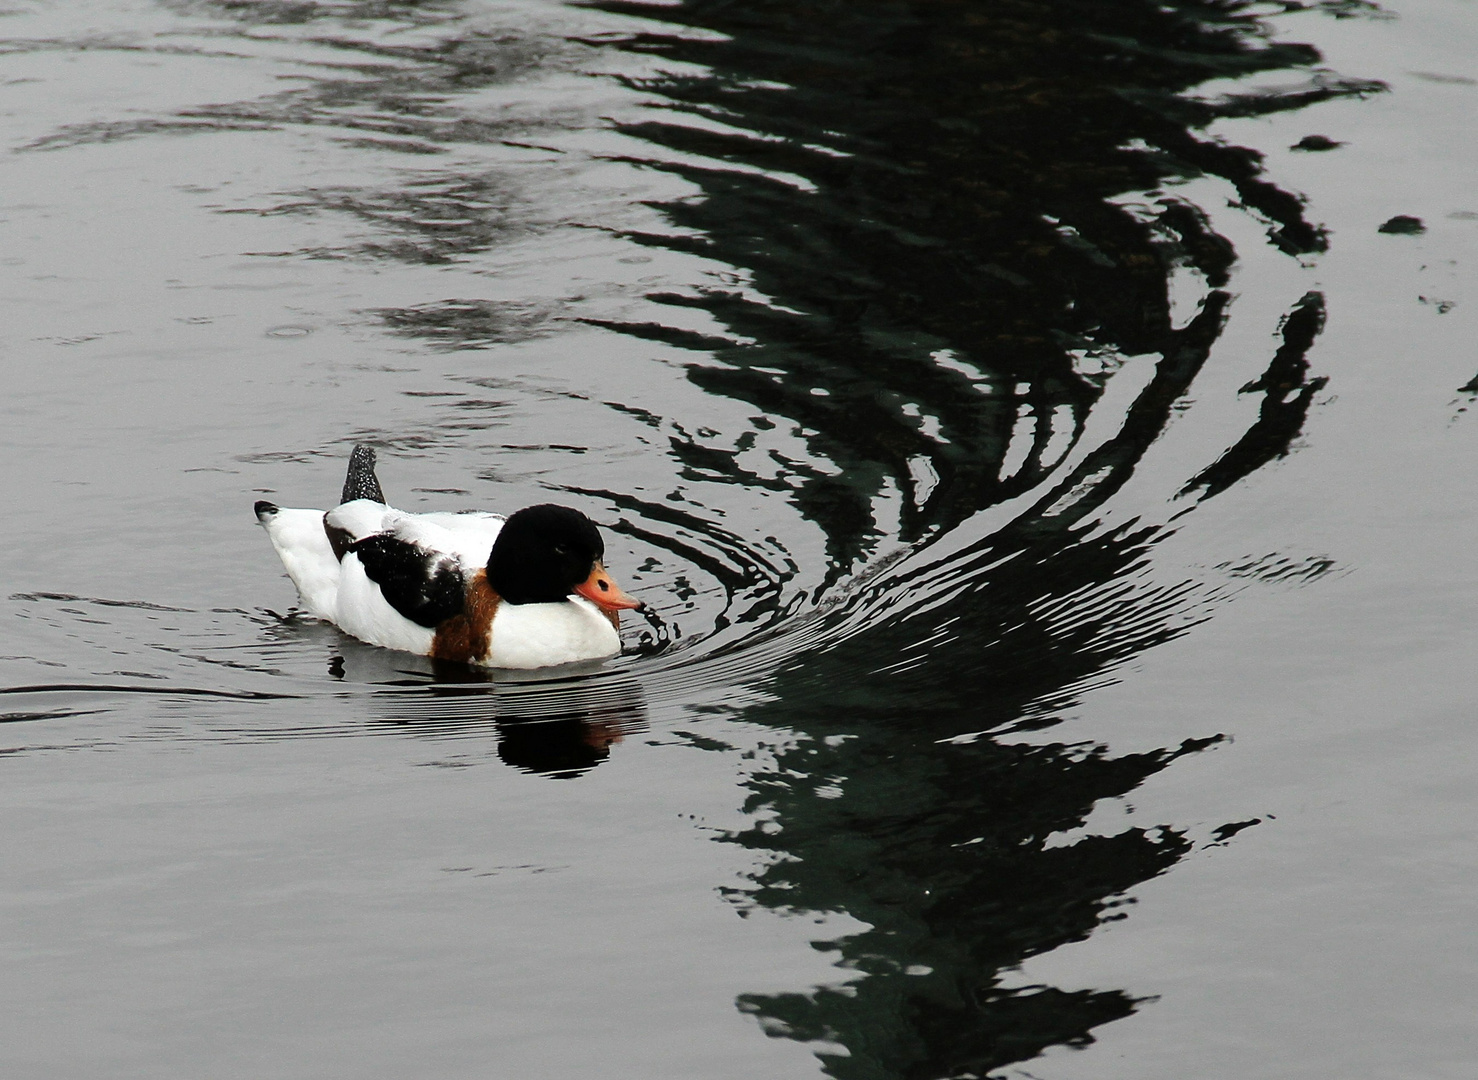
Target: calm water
[1052,489]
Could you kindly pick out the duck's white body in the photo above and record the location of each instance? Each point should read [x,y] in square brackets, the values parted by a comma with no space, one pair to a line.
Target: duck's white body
[541,635]
[340,591]
[300,542]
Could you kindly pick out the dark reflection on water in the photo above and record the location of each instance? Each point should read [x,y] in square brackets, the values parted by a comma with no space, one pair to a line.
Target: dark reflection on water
[958,219]
[1287,394]
[956,177]
[556,729]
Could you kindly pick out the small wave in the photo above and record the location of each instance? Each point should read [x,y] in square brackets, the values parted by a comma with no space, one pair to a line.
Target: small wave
[55,714]
[155,691]
[70,598]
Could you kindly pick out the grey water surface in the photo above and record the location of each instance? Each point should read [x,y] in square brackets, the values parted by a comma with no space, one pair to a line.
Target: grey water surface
[1050,473]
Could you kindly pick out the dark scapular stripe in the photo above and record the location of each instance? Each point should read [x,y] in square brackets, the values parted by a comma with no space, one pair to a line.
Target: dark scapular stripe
[427,589]
[341,540]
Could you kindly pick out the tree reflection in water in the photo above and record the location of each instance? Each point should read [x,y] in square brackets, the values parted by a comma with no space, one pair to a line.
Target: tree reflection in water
[958,218]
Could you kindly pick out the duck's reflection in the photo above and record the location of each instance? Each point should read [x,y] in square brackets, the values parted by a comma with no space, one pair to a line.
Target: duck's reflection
[563,747]
[560,727]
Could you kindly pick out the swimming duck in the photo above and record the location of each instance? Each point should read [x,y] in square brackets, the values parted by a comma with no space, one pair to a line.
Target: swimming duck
[523,592]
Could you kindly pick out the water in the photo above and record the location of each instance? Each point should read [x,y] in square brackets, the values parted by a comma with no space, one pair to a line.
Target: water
[1049,487]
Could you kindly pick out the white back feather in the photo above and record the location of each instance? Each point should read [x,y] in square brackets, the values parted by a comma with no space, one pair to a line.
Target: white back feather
[360,518]
[468,542]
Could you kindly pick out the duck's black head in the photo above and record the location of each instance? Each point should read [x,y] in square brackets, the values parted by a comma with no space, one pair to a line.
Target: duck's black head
[545,553]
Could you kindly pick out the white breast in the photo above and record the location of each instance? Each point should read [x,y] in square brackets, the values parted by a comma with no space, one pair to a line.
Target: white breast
[541,635]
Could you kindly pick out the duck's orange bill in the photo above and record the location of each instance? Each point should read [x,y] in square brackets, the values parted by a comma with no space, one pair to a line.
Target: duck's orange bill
[604,593]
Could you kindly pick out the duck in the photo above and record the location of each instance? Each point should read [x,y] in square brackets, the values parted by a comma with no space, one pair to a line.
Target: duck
[527,591]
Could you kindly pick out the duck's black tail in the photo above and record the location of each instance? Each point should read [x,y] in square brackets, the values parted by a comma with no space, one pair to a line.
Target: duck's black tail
[362,483]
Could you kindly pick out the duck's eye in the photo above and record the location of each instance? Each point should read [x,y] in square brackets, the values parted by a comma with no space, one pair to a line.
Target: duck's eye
[560,549]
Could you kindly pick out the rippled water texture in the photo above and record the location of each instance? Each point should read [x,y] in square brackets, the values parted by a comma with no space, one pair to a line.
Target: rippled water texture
[1039,429]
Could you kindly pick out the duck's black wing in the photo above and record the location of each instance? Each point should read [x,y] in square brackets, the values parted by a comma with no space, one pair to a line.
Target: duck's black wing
[426,588]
